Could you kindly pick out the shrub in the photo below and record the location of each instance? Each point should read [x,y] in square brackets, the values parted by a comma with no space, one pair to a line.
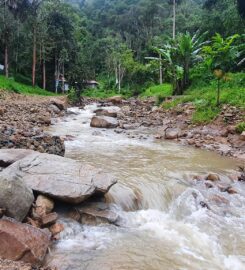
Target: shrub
[240,127]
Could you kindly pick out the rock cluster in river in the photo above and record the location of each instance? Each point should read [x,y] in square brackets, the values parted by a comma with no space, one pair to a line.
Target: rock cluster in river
[220,135]
[31,184]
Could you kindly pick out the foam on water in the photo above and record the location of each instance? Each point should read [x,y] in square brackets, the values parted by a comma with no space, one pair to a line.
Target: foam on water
[164,222]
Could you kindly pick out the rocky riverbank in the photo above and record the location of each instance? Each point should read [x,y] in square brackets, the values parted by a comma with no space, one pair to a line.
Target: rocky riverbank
[32,185]
[24,118]
[175,124]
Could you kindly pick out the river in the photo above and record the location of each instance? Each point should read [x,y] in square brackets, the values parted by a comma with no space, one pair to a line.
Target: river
[162,224]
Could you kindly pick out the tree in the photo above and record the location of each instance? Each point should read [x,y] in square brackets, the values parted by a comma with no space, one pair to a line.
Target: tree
[7,31]
[178,55]
[221,55]
[174,3]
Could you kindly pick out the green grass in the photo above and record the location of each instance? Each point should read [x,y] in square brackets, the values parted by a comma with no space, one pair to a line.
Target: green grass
[204,97]
[163,90]
[11,85]
[240,127]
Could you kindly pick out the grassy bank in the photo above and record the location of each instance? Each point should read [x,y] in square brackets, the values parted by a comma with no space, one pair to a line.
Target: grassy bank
[11,85]
[204,95]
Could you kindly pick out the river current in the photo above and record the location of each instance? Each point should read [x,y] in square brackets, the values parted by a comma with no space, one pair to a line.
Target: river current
[162,224]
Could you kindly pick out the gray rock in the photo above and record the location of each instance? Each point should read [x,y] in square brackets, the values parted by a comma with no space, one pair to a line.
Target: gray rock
[96,213]
[61,178]
[53,108]
[172,133]
[9,156]
[104,122]
[15,197]
[102,112]
[59,103]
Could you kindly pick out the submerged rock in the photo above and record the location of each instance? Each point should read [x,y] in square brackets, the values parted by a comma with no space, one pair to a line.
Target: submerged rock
[22,242]
[15,197]
[96,213]
[104,122]
[213,177]
[60,178]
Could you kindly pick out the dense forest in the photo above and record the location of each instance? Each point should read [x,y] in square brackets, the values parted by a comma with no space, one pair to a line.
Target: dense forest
[120,43]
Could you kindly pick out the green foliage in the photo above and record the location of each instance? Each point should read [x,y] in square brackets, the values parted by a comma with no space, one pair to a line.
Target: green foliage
[203,96]
[222,52]
[73,96]
[164,90]
[112,37]
[221,55]
[178,56]
[12,85]
[205,115]
[240,127]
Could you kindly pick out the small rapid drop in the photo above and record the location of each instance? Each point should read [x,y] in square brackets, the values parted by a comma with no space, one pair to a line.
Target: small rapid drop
[166,220]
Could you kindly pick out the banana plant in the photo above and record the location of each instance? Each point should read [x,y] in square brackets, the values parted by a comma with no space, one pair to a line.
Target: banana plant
[178,56]
[222,55]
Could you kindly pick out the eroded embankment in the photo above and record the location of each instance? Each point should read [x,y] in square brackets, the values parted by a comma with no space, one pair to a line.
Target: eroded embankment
[23,119]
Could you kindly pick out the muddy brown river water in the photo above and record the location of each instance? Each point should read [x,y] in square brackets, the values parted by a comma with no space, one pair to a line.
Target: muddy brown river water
[162,225]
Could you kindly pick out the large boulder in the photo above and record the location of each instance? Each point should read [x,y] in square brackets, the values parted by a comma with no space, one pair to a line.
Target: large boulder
[172,133]
[61,104]
[104,122]
[115,100]
[22,242]
[61,178]
[15,197]
[102,112]
[9,156]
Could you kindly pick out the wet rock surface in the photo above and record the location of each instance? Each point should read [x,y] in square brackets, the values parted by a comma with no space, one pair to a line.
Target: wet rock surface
[103,122]
[95,213]
[11,265]
[60,178]
[9,156]
[15,197]
[22,242]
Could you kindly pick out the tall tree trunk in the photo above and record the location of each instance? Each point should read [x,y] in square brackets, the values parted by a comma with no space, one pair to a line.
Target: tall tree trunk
[6,61]
[174,19]
[44,74]
[6,54]
[119,78]
[17,48]
[34,57]
[63,78]
[160,69]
